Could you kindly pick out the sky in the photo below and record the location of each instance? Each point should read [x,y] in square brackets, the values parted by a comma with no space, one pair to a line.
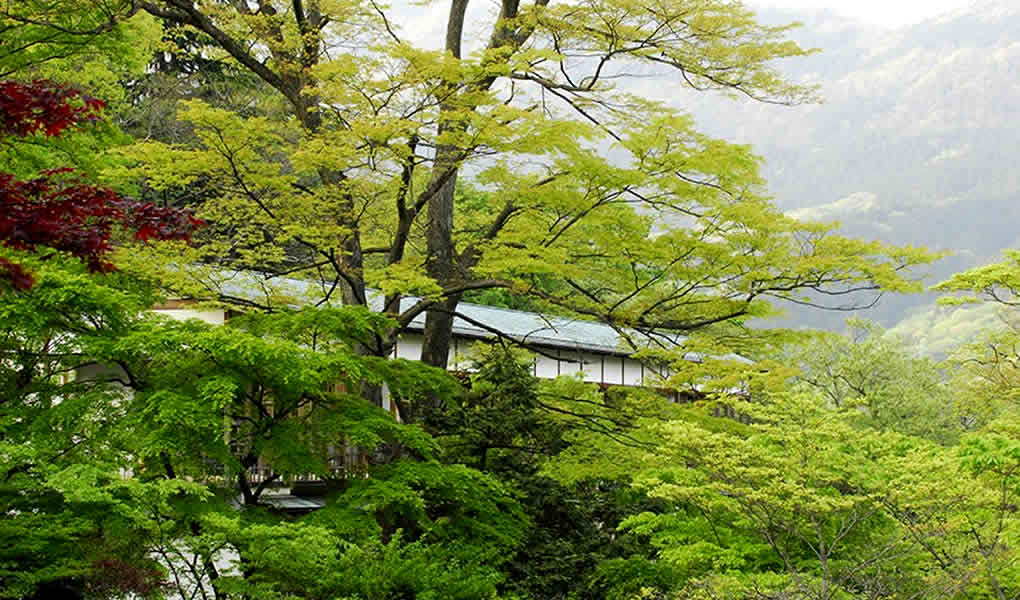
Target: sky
[887,13]
[430,17]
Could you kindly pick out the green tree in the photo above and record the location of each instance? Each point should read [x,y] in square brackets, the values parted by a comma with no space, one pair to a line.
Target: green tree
[63,33]
[349,175]
[55,527]
[139,450]
[802,503]
[269,398]
[85,46]
[964,520]
[987,367]
[511,424]
[880,384]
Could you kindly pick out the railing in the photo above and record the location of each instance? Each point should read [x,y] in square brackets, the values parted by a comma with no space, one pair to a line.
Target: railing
[350,463]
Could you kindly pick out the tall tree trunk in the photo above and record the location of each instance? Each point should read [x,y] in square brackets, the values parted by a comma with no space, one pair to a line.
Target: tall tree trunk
[442,260]
[440,266]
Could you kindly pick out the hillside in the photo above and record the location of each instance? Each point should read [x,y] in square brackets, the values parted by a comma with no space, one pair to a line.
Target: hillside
[915,142]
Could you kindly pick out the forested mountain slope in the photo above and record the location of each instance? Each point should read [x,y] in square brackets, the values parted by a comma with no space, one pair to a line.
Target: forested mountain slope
[916,140]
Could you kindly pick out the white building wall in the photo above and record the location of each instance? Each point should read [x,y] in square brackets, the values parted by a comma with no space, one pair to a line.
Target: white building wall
[633,372]
[216,317]
[592,367]
[571,362]
[409,346]
[612,370]
[461,354]
[547,367]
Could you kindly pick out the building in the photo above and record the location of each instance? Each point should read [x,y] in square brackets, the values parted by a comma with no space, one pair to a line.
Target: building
[562,346]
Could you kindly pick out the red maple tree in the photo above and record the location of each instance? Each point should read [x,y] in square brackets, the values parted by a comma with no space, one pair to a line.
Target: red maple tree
[59,209]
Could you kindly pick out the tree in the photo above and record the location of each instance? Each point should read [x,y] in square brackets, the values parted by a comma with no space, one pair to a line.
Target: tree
[56,431]
[206,419]
[879,384]
[598,495]
[81,46]
[511,425]
[428,175]
[997,282]
[987,367]
[41,32]
[287,386]
[276,398]
[349,176]
[59,210]
[802,503]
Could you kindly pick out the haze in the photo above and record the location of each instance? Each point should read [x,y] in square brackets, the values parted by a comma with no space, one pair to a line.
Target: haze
[879,12]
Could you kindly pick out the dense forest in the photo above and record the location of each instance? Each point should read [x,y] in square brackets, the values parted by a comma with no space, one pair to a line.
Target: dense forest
[211,153]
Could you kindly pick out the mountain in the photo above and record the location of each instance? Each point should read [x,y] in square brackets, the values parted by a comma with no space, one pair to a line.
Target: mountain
[916,142]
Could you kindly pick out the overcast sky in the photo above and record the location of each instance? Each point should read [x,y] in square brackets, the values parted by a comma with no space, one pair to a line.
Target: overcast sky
[888,13]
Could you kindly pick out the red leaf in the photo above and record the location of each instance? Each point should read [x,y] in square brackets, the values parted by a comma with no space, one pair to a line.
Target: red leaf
[59,209]
[15,274]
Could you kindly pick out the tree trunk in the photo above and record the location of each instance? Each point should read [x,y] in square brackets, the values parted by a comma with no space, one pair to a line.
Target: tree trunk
[441,261]
[440,266]
[435,350]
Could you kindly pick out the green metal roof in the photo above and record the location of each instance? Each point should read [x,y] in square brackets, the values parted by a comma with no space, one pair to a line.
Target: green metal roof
[478,322]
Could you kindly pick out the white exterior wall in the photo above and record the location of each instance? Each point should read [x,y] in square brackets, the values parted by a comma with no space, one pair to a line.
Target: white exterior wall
[571,362]
[546,367]
[461,354]
[633,372]
[408,346]
[592,367]
[216,317]
[612,370]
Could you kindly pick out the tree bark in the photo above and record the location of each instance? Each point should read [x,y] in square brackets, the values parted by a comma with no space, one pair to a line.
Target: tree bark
[441,266]
[441,263]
